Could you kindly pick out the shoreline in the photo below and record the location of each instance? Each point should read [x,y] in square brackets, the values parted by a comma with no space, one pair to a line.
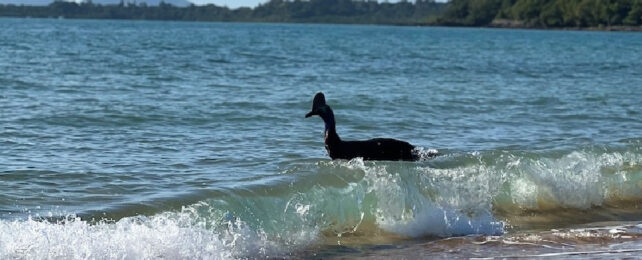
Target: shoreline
[510,24]
[493,25]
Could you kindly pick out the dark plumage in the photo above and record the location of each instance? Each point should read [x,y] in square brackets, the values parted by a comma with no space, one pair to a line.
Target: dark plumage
[373,149]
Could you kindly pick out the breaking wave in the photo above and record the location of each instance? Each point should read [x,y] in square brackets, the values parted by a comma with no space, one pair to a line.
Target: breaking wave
[329,202]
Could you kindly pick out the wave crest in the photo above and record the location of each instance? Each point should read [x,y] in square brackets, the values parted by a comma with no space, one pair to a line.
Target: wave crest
[356,202]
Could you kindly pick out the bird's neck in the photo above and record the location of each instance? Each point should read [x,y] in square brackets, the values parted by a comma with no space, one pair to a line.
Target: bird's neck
[331,135]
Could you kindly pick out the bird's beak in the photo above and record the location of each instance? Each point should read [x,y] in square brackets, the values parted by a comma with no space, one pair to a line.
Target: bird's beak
[309,114]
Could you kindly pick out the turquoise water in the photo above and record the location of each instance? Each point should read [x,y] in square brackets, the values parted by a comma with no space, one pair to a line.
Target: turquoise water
[130,139]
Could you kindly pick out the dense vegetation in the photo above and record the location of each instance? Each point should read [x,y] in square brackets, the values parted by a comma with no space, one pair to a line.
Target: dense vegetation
[544,13]
[320,11]
[520,13]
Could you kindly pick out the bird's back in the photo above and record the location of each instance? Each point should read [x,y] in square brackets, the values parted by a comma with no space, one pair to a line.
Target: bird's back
[374,149]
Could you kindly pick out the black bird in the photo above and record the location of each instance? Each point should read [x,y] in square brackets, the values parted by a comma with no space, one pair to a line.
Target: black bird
[374,149]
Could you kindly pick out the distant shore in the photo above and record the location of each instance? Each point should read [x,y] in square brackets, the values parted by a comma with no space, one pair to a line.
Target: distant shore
[509,24]
[555,15]
[496,25]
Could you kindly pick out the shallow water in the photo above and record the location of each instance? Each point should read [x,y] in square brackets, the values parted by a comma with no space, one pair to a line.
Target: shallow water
[129,139]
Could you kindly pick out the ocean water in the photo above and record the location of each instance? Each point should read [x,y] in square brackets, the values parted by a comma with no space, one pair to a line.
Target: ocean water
[175,140]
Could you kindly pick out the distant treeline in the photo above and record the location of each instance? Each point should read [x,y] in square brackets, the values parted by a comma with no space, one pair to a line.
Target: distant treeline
[317,11]
[517,13]
[543,13]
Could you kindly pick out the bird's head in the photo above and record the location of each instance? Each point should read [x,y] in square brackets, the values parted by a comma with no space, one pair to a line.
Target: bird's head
[318,106]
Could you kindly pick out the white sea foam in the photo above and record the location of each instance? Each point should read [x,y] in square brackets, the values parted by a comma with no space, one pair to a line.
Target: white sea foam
[425,153]
[579,179]
[404,208]
[576,180]
[425,200]
[167,235]
[129,238]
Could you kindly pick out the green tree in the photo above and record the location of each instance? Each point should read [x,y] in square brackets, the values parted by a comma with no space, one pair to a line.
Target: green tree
[634,16]
[482,12]
[551,15]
